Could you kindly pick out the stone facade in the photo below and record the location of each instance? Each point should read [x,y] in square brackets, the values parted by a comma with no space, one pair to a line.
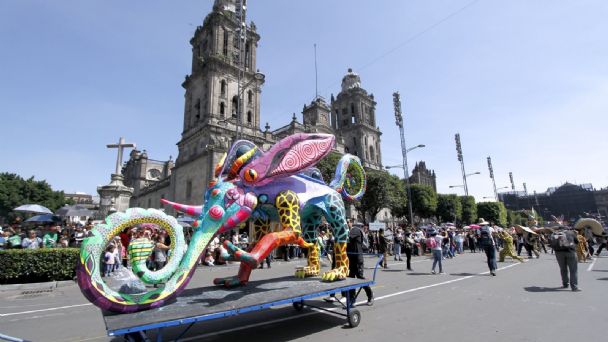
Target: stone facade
[422,175]
[211,116]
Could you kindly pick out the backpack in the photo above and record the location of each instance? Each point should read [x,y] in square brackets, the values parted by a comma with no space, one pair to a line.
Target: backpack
[431,243]
[485,239]
[560,241]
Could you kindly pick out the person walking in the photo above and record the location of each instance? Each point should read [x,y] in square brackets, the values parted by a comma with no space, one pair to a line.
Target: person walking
[487,243]
[383,247]
[408,246]
[564,242]
[508,247]
[354,250]
[397,241]
[434,243]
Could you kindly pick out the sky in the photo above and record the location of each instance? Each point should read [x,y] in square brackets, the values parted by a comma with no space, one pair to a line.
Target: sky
[525,82]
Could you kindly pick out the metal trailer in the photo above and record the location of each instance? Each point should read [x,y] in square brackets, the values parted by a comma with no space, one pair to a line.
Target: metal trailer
[213,302]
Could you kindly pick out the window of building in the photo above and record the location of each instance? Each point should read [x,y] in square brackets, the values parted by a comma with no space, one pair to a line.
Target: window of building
[372,154]
[235,105]
[149,202]
[197,106]
[249,117]
[247,56]
[189,189]
[223,88]
[353,119]
[222,109]
[352,108]
[250,97]
[225,45]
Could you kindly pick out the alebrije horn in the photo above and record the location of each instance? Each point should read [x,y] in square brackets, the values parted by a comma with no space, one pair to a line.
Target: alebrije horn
[220,165]
[191,210]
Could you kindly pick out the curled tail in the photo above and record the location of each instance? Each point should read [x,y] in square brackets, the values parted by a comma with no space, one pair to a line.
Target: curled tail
[354,180]
[175,275]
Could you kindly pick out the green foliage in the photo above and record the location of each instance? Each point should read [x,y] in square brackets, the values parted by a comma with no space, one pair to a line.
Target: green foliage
[514,217]
[398,197]
[469,209]
[38,265]
[328,165]
[378,195]
[16,191]
[449,208]
[424,200]
[493,212]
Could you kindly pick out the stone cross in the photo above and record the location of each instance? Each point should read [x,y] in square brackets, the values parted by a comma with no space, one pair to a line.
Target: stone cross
[120,146]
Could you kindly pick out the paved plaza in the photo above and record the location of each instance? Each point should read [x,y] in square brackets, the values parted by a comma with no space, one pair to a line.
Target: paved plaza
[522,303]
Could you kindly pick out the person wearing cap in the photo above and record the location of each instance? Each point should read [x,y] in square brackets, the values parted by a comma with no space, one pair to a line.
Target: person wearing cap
[487,243]
[564,242]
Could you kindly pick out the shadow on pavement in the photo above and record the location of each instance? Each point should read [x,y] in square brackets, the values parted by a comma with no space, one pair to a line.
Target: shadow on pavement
[602,278]
[465,274]
[543,289]
[392,270]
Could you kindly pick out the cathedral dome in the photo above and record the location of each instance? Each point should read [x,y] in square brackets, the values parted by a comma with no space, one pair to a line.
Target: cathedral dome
[351,80]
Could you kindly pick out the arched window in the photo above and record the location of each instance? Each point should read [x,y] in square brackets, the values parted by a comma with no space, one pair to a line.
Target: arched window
[250,97]
[223,88]
[235,105]
[352,108]
[225,45]
[372,154]
[249,117]
[222,110]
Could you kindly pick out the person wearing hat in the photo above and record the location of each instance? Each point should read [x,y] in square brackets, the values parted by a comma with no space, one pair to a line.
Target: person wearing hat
[486,241]
[564,242]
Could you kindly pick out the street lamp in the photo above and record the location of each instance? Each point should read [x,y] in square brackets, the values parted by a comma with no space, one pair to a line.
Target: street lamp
[404,150]
[407,151]
[466,190]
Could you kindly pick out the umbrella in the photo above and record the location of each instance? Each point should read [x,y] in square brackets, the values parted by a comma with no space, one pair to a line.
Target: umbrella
[44,218]
[74,210]
[33,208]
[474,226]
[185,221]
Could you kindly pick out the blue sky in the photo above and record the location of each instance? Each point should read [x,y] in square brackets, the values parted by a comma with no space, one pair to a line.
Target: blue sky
[525,82]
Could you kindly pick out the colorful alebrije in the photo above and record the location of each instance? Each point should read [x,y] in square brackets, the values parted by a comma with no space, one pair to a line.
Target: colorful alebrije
[229,203]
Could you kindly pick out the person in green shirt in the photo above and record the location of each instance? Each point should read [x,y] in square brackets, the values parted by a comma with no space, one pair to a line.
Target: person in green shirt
[49,240]
[14,238]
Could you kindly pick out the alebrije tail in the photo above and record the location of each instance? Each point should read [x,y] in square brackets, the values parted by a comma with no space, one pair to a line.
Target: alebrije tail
[344,180]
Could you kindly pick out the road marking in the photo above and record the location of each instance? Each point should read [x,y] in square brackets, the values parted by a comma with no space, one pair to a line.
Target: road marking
[591,266]
[42,310]
[316,311]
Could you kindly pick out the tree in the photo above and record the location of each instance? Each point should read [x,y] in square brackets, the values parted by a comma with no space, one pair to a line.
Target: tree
[16,191]
[469,209]
[378,194]
[493,212]
[398,197]
[513,218]
[449,208]
[328,166]
[424,200]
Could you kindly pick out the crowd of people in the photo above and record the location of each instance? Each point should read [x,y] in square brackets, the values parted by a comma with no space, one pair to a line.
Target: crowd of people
[55,235]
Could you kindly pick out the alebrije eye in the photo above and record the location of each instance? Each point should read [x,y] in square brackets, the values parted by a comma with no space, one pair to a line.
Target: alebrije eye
[250,175]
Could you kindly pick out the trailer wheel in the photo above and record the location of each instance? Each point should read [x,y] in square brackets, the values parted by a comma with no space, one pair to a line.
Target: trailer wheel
[354,318]
[299,306]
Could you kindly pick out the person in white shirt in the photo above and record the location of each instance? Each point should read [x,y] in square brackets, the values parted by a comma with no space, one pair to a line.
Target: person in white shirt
[434,243]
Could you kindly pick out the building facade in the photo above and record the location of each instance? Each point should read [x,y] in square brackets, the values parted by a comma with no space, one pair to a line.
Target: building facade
[211,115]
[422,175]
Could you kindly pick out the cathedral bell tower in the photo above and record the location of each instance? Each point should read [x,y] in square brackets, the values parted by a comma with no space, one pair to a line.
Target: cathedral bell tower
[353,116]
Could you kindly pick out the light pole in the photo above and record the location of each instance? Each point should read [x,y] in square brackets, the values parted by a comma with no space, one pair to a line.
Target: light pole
[404,150]
[491,169]
[461,160]
[464,185]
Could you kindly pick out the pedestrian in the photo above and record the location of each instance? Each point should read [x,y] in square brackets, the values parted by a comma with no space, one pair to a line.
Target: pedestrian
[109,260]
[354,250]
[408,246]
[397,241]
[564,242]
[160,253]
[488,244]
[471,242]
[383,247]
[434,243]
[49,240]
[32,241]
[508,247]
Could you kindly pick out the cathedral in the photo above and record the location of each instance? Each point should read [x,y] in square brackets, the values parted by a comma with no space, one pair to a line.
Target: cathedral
[224,66]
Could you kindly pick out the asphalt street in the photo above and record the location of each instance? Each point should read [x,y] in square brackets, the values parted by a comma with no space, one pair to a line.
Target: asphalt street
[523,302]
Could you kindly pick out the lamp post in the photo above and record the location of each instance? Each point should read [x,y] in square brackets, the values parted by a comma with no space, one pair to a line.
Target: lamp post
[464,185]
[404,150]
[491,169]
